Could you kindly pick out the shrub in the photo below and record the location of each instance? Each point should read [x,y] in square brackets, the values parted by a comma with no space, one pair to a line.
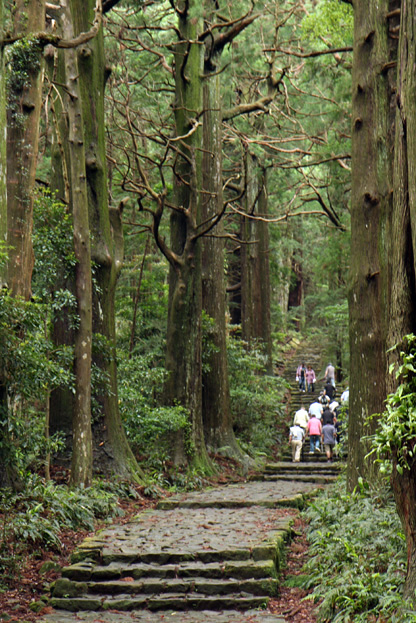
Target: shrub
[358,555]
[256,399]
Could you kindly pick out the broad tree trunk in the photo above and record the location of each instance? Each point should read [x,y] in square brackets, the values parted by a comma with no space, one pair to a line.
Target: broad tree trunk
[371,203]
[112,451]
[183,356]
[262,288]
[23,113]
[216,407]
[81,466]
[255,274]
[402,258]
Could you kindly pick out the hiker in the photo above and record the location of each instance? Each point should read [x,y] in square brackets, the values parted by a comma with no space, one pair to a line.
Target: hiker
[324,399]
[316,409]
[329,435]
[296,436]
[329,390]
[315,431]
[330,374]
[310,379]
[301,418]
[300,376]
[328,416]
[345,396]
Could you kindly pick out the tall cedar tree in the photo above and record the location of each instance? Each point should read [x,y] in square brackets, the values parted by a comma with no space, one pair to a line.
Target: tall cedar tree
[23,114]
[371,204]
[81,464]
[216,406]
[112,451]
[402,254]
[183,357]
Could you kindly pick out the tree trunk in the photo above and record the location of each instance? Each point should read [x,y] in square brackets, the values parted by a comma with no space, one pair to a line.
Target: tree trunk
[216,407]
[24,104]
[370,210]
[3,156]
[4,476]
[183,356]
[112,452]
[262,322]
[255,274]
[248,250]
[81,466]
[402,260]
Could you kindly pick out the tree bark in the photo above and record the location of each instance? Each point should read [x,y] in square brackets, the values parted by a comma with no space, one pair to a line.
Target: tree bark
[371,205]
[183,357]
[3,155]
[216,408]
[81,465]
[254,254]
[5,480]
[262,321]
[23,114]
[112,452]
[248,250]
[402,258]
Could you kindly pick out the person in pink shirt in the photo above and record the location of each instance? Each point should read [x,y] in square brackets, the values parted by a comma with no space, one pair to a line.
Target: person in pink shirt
[315,431]
[310,379]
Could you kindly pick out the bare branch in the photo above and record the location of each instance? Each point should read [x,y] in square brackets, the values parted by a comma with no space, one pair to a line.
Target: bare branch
[310,54]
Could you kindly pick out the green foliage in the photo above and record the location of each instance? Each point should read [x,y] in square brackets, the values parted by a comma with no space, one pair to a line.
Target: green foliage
[31,365]
[357,555]
[36,516]
[256,399]
[149,426]
[52,244]
[396,432]
[23,60]
[331,20]
[23,63]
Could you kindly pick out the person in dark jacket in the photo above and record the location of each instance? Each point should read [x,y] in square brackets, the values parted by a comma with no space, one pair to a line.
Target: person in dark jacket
[327,416]
[330,391]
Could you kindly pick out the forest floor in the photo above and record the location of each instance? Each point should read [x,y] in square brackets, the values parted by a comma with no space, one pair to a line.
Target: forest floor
[30,584]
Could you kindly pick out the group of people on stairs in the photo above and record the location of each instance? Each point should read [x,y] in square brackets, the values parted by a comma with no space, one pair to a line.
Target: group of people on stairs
[321,422]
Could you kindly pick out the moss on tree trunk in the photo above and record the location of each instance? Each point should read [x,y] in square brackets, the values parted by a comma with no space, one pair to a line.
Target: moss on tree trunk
[23,113]
[370,210]
[216,409]
[112,451]
[183,358]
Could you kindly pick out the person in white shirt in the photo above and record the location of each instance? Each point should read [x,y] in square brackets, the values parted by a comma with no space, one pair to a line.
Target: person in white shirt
[345,396]
[316,409]
[296,435]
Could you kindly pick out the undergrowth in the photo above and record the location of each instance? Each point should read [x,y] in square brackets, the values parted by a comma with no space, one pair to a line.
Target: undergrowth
[34,518]
[358,557]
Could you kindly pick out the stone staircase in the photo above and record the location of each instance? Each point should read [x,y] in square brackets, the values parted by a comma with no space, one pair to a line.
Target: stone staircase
[215,552]
[313,468]
[201,556]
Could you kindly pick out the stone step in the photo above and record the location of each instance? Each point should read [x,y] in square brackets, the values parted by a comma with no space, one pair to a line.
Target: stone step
[157,586]
[315,478]
[293,469]
[204,558]
[238,569]
[190,601]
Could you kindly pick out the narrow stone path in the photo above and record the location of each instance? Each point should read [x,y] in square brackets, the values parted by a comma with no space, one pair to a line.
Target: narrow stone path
[208,556]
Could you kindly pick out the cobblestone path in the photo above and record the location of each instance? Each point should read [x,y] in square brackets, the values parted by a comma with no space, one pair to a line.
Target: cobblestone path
[210,556]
